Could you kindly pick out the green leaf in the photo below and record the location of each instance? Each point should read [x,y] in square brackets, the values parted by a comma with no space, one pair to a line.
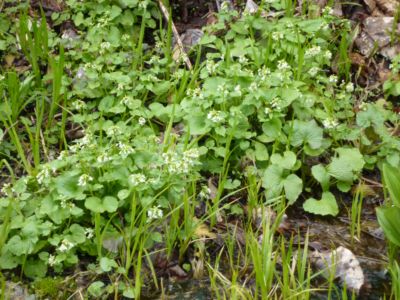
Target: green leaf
[261,152]
[110,204]
[391,177]
[35,268]
[307,133]
[94,204]
[287,161]
[107,264]
[389,220]
[321,175]
[347,165]
[326,206]
[272,128]
[293,186]
[96,289]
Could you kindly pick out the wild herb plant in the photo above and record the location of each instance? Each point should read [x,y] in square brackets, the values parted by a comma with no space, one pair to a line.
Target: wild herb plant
[263,108]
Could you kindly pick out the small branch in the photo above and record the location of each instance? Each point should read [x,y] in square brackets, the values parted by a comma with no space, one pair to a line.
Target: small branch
[176,34]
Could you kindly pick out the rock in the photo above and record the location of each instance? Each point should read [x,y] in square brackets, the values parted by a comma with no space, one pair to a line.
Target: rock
[376,36]
[347,267]
[15,291]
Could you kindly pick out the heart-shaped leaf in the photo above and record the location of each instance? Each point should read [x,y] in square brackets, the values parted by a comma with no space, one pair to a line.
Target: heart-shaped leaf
[326,206]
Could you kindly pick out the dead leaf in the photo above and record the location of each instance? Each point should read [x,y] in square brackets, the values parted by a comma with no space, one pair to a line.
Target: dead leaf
[202,231]
[346,265]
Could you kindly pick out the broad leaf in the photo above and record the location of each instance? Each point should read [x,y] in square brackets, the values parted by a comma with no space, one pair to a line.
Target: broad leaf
[293,186]
[321,175]
[326,206]
[391,177]
[389,220]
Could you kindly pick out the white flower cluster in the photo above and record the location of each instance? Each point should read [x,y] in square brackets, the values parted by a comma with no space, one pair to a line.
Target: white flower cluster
[103,158]
[124,149]
[78,105]
[136,179]
[181,164]
[52,260]
[276,36]
[211,66]
[283,65]
[216,116]
[313,71]
[333,79]
[89,233]
[84,179]
[276,104]
[328,55]
[349,87]
[243,59]
[154,213]
[327,10]
[65,246]
[65,203]
[253,87]
[6,189]
[142,121]
[330,123]
[205,192]
[312,52]
[222,90]
[263,73]
[43,175]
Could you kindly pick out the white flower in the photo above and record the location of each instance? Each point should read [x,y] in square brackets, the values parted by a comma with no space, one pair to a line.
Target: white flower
[154,213]
[43,175]
[6,188]
[127,101]
[313,71]
[238,90]
[142,121]
[327,10]
[65,245]
[267,110]
[328,55]
[124,149]
[333,79]
[84,179]
[283,65]
[136,179]
[330,123]
[263,73]
[102,158]
[243,59]
[105,45]
[363,106]
[314,51]
[120,86]
[78,105]
[89,233]
[222,90]
[349,87]
[216,116]
[211,66]
[253,87]
[52,260]
[2,77]
[113,130]
[276,36]
[275,103]
[205,192]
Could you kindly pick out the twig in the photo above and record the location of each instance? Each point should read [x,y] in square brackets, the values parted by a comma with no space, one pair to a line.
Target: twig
[176,34]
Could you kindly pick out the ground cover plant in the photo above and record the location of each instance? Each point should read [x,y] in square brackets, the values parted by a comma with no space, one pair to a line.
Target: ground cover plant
[125,165]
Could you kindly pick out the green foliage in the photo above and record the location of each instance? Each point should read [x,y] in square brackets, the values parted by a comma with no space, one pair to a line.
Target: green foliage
[261,94]
[389,217]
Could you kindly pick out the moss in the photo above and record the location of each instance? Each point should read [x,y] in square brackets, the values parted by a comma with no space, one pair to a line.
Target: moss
[48,287]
